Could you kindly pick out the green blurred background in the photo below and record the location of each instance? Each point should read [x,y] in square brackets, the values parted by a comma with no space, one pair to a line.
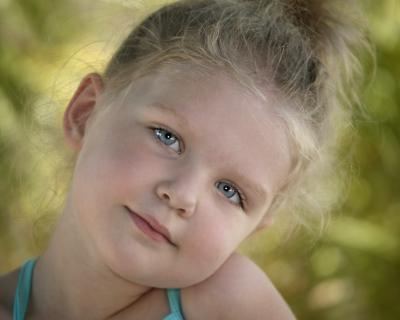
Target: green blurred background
[352,272]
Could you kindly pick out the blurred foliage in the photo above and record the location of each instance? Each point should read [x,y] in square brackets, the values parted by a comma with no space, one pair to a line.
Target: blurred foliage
[28,31]
[351,272]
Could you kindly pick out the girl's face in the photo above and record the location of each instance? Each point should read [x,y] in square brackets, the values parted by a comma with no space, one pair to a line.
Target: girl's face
[201,157]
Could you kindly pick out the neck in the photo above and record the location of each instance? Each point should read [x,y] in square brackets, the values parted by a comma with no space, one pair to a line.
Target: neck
[70,283]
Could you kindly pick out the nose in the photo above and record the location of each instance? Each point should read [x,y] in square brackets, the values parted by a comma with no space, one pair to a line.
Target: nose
[179,194]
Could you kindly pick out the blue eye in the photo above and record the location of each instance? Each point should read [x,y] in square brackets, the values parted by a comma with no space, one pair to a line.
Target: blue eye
[168,139]
[231,192]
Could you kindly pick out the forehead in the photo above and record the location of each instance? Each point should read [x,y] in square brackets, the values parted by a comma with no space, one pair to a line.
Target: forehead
[229,126]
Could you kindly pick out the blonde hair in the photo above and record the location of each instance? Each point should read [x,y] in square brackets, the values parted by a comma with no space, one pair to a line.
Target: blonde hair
[307,50]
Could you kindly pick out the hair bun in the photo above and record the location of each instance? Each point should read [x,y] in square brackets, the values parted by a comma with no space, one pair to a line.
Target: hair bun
[334,27]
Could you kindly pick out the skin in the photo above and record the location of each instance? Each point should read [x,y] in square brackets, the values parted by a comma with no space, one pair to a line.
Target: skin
[100,265]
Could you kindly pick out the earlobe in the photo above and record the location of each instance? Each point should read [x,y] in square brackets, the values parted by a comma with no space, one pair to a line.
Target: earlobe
[80,108]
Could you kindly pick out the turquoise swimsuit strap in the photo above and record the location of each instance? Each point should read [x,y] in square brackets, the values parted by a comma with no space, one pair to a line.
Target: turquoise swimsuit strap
[21,299]
[174,299]
[22,293]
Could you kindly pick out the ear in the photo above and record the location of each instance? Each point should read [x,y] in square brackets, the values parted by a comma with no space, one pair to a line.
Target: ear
[80,108]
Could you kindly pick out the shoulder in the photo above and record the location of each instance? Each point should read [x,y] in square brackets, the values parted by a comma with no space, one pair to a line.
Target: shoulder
[238,290]
[5,314]
[8,283]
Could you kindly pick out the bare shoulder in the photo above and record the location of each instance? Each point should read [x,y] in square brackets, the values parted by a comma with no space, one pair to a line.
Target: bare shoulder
[5,314]
[8,283]
[238,290]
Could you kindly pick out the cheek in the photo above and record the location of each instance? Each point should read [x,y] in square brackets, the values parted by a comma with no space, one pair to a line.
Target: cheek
[135,169]
[111,172]
[209,245]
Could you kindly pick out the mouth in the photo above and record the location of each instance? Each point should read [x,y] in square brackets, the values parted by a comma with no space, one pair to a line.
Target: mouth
[151,227]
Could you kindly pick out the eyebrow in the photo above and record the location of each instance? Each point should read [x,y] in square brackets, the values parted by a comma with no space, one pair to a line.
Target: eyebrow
[256,188]
[182,121]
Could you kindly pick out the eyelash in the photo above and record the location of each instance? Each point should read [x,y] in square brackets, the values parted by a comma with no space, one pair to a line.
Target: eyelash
[242,198]
[178,138]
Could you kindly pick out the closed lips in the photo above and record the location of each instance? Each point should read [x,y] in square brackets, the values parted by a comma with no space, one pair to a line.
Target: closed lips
[153,224]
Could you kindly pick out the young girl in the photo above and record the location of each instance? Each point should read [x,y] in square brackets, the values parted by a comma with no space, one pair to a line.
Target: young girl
[206,119]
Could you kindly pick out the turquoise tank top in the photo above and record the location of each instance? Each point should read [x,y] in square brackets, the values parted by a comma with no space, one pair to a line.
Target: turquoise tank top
[21,299]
